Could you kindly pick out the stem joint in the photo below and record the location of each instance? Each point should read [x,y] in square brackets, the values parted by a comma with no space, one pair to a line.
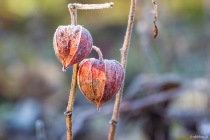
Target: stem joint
[113,122]
[68,113]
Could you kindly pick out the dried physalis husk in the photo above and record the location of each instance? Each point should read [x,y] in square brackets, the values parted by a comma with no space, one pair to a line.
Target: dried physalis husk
[100,80]
[72,44]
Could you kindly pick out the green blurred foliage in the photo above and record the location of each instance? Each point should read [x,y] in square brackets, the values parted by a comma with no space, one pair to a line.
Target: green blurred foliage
[27,28]
[56,12]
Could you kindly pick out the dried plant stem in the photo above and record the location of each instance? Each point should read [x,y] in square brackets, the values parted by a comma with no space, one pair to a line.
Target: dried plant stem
[124,54]
[91,6]
[155,8]
[73,12]
[155,29]
[99,52]
[68,113]
[69,109]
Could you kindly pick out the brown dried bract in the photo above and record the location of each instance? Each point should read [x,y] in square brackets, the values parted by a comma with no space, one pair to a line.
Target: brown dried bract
[99,80]
[72,44]
[155,30]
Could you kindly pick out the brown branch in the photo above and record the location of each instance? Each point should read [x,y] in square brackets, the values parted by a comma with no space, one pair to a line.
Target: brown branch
[73,12]
[124,54]
[68,113]
[155,29]
[150,100]
[69,109]
[147,53]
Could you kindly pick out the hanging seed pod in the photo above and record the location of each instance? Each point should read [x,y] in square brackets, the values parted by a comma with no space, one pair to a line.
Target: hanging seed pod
[72,44]
[100,80]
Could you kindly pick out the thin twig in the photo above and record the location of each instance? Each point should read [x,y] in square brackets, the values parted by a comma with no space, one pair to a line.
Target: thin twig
[68,113]
[124,54]
[69,109]
[147,53]
[99,52]
[91,6]
[73,12]
[155,29]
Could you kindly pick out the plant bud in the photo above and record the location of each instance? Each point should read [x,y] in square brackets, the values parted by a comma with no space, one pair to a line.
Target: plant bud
[72,44]
[100,80]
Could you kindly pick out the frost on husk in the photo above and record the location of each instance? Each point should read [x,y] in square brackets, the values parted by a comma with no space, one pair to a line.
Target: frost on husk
[99,80]
[72,44]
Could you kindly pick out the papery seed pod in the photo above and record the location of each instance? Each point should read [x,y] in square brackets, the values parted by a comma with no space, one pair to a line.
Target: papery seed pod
[100,80]
[72,44]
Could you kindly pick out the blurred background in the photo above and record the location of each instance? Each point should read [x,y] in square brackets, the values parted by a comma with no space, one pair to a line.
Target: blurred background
[167,88]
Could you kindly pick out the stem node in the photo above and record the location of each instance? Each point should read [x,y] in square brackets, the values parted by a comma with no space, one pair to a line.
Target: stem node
[113,122]
[68,113]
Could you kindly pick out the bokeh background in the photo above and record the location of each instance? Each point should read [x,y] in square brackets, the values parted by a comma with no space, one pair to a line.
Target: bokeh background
[167,89]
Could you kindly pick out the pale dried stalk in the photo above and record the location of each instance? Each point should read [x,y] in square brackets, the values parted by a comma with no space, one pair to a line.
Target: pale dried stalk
[155,29]
[91,6]
[124,54]
[73,12]
[69,109]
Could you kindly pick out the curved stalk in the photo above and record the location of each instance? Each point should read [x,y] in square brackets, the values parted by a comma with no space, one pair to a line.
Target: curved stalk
[100,55]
